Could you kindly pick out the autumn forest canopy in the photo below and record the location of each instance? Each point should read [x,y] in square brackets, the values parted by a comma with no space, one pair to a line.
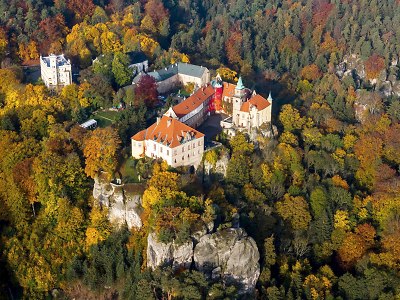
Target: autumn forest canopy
[321,198]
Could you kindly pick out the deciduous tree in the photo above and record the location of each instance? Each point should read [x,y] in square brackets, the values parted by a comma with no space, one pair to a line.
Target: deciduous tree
[101,151]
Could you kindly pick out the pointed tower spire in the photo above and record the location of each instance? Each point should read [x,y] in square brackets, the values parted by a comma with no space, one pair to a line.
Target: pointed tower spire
[217,83]
[240,85]
[269,97]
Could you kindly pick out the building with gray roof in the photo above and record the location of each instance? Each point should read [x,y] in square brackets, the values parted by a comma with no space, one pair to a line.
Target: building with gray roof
[175,74]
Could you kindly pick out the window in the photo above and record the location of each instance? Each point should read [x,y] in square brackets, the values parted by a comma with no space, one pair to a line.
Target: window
[194,145]
[155,147]
[183,158]
[183,149]
[161,149]
[189,147]
[167,152]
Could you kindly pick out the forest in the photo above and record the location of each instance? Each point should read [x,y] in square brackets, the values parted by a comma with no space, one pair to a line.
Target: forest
[320,199]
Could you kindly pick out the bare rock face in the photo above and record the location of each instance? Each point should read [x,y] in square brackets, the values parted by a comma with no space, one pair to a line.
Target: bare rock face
[102,191]
[160,254]
[235,253]
[220,167]
[228,254]
[133,209]
[124,206]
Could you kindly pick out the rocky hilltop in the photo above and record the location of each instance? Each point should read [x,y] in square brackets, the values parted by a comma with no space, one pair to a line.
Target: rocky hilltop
[229,254]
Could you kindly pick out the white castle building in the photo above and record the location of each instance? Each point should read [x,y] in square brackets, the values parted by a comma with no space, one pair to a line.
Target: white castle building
[170,140]
[55,70]
[173,137]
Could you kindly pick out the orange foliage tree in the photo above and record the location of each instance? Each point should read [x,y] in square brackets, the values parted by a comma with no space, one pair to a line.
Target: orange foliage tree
[374,66]
[311,72]
[290,44]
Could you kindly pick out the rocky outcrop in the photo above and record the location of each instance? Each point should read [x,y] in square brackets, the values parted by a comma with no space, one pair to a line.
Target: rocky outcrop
[160,254]
[386,82]
[123,202]
[220,166]
[229,254]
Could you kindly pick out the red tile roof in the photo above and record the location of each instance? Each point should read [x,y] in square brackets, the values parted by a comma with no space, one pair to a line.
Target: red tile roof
[228,90]
[169,132]
[258,101]
[194,101]
[140,135]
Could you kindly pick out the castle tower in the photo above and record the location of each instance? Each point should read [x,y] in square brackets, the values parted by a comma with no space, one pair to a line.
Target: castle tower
[269,97]
[218,87]
[240,95]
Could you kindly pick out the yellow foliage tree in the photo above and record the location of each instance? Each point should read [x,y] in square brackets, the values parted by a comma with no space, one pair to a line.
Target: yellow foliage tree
[99,228]
[295,211]
[162,184]
[101,151]
[227,74]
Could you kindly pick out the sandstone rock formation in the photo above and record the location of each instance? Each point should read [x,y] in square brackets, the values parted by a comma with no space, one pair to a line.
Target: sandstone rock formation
[123,202]
[229,254]
[386,83]
[160,254]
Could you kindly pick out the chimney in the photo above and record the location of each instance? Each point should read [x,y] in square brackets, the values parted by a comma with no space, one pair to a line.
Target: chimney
[158,120]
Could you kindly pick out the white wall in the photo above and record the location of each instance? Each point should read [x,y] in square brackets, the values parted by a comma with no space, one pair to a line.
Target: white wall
[137,148]
[187,154]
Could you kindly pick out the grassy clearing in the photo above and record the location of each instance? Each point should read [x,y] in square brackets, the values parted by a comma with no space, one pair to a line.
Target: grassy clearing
[128,170]
[105,118]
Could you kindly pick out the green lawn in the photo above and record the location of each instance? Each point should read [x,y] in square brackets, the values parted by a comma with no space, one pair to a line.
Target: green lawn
[128,170]
[105,118]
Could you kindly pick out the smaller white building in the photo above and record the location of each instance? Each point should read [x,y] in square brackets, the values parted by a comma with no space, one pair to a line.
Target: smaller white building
[55,70]
[170,140]
[89,124]
[138,62]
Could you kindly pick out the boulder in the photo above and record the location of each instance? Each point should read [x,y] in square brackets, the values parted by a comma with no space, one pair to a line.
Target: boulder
[235,253]
[116,214]
[385,88]
[222,164]
[396,88]
[182,255]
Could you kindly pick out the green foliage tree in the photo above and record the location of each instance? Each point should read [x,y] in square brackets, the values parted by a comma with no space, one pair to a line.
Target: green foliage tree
[120,68]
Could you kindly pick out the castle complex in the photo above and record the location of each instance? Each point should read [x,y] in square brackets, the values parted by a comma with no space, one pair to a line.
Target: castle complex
[174,137]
